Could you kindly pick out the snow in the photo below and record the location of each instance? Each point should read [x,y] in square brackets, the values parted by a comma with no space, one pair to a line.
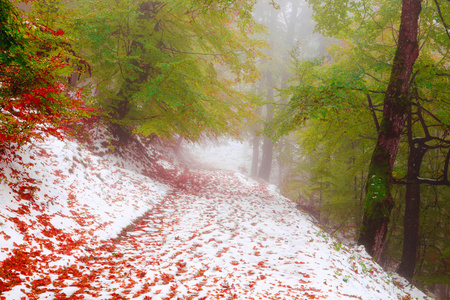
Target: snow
[99,231]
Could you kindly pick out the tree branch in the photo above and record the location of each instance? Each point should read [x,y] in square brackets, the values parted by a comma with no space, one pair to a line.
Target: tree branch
[375,119]
[442,18]
[447,160]
[434,181]
[355,89]
[428,112]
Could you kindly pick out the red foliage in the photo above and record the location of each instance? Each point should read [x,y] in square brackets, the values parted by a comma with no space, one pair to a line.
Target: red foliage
[19,263]
[40,111]
[34,100]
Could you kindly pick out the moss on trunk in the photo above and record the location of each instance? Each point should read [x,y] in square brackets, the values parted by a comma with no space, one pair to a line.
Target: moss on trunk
[378,204]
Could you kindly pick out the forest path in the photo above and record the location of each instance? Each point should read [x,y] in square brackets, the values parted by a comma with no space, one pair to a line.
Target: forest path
[219,235]
[216,236]
[204,234]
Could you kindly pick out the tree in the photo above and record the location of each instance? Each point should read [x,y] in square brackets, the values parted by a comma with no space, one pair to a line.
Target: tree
[418,148]
[34,99]
[353,81]
[267,148]
[156,64]
[288,26]
[378,201]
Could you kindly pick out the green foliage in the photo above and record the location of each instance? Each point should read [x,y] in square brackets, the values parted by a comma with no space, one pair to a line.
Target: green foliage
[330,169]
[11,39]
[332,107]
[329,101]
[47,12]
[156,63]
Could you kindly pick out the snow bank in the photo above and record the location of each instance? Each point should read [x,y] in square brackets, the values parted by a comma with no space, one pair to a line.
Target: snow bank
[97,230]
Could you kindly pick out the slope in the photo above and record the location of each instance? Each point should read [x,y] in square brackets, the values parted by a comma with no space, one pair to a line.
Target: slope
[97,230]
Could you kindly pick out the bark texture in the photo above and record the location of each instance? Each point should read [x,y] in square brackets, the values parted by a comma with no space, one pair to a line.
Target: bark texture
[412,211]
[378,201]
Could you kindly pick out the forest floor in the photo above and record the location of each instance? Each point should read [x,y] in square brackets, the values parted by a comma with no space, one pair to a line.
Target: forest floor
[86,225]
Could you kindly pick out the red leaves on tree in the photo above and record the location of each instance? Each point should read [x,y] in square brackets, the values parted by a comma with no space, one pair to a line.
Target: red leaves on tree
[34,99]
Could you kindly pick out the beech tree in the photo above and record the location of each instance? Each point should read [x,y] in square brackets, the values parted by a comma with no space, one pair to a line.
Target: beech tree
[156,64]
[362,75]
[378,201]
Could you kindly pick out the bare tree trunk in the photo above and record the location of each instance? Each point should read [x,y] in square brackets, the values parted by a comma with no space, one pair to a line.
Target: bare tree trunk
[267,148]
[266,160]
[255,155]
[418,147]
[256,139]
[378,201]
[412,209]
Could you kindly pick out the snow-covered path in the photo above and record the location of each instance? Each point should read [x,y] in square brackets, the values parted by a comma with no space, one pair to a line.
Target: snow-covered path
[223,236]
[212,238]
[207,235]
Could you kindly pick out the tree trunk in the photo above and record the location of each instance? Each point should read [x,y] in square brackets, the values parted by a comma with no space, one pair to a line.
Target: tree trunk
[267,148]
[255,156]
[266,161]
[378,201]
[256,138]
[411,218]
[417,150]
[120,106]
